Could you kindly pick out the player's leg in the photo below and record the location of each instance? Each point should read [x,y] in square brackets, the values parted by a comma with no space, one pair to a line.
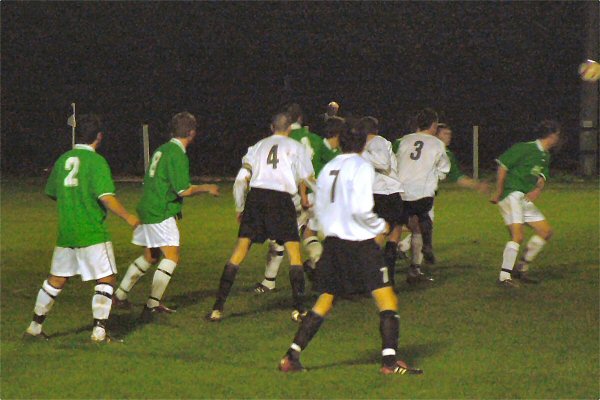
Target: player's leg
[296,279]
[101,305]
[136,270]
[274,259]
[313,247]
[511,208]
[44,301]
[390,253]
[426,227]
[160,281]
[543,233]
[228,277]
[415,275]
[307,330]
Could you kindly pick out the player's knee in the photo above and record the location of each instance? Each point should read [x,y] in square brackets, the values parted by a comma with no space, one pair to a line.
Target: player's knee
[109,280]
[547,234]
[57,282]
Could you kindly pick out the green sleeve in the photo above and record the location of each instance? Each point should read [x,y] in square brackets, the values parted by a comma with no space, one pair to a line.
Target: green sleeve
[455,173]
[179,173]
[396,145]
[51,184]
[511,157]
[102,182]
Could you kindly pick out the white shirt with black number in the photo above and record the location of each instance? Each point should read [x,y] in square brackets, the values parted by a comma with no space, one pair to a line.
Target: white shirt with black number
[344,199]
[422,162]
[378,151]
[278,163]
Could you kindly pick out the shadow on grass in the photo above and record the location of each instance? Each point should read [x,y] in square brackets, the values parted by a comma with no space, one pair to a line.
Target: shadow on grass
[408,353]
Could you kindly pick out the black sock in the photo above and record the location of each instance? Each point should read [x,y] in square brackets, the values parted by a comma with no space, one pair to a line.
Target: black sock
[390,254]
[426,227]
[297,283]
[309,327]
[225,284]
[389,327]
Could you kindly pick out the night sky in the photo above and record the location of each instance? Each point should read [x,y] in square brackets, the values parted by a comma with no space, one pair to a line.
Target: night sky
[501,65]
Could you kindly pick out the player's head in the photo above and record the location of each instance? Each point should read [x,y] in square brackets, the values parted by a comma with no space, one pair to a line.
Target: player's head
[444,133]
[183,126]
[426,120]
[353,139]
[89,128]
[295,112]
[281,123]
[549,131]
[369,125]
[332,108]
[334,127]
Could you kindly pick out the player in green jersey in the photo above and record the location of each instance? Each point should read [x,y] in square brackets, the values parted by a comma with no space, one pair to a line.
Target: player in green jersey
[522,174]
[166,183]
[83,188]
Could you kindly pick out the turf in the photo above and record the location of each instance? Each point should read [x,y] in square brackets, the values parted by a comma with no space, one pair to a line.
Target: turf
[473,339]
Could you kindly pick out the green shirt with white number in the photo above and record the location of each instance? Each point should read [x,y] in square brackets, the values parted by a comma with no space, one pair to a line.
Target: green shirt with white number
[79,178]
[525,163]
[168,175]
[320,153]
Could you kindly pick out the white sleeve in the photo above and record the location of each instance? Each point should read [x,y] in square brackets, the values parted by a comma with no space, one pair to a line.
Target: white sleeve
[240,188]
[304,170]
[362,202]
[249,159]
[443,165]
[379,156]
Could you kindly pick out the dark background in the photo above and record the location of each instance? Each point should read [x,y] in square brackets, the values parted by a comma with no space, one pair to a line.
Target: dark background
[500,65]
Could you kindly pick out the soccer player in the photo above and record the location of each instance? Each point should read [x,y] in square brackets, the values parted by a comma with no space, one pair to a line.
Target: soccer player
[83,188]
[522,174]
[278,165]
[387,188]
[422,161]
[351,258]
[166,183]
[322,150]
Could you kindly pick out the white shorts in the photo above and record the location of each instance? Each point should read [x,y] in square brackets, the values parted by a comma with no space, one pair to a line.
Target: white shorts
[92,262]
[162,234]
[516,210]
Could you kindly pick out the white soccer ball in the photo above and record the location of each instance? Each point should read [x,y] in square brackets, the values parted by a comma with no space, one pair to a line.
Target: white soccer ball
[589,71]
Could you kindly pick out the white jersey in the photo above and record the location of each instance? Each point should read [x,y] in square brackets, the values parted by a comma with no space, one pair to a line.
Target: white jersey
[278,163]
[422,161]
[344,199]
[240,188]
[378,151]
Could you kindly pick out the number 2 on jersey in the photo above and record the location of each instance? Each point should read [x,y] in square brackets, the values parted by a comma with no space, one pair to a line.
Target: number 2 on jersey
[334,172]
[418,147]
[272,157]
[72,165]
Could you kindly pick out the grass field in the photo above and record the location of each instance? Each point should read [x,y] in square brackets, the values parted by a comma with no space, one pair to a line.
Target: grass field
[473,339]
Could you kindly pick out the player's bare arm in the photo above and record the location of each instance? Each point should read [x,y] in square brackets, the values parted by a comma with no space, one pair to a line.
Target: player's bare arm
[115,206]
[193,190]
[501,177]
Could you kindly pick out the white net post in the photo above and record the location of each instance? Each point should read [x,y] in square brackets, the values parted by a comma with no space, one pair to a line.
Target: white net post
[146,141]
[475,152]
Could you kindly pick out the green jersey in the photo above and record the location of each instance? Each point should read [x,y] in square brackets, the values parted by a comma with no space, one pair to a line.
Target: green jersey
[396,145]
[455,173]
[320,152]
[525,163]
[79,178]
[168,175]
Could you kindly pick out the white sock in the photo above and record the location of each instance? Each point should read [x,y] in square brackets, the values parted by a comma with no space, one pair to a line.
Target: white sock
[404,245]
[534,246]
[101,304]
[136,270]
[508,259]
[43,303]
[314,248]
[274,259]
[162,276]
[416,247]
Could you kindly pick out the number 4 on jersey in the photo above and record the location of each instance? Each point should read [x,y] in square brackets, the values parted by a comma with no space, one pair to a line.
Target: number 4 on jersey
[272,157]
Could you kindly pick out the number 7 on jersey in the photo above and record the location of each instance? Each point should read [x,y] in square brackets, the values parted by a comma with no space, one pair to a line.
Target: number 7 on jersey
[334,172]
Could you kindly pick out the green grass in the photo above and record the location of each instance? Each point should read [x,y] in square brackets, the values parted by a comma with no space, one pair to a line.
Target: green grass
[473,339]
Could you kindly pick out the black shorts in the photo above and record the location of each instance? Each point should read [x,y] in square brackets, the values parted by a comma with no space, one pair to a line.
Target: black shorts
[348,267]
[389,207]
[420,208]
[269,214]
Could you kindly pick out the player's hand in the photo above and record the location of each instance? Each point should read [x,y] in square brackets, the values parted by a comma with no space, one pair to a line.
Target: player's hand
[238,217]
[212,189]
[495,198]
[132,220]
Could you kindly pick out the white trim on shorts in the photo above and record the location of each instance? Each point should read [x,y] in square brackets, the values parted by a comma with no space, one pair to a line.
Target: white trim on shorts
[92,262]
[516,210]
[165,233]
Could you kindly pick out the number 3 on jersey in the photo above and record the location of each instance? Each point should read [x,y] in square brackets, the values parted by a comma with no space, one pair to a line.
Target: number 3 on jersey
[418,148]
[272,157]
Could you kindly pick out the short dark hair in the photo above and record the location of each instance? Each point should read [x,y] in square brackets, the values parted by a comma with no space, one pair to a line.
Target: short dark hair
[546,128]
[334,126]
[295,111]
[369,125]
[181,124]
[441,126]
[425,117]
[353,139]
[281,122]
[88,127]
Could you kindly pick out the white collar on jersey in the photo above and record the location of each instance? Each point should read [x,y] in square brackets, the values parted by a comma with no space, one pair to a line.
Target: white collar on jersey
[178,143]
[327,144]
[296,125]
[539,145]
[84,147]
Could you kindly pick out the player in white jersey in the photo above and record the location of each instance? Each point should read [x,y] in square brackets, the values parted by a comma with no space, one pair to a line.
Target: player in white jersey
[422,162]
[351,257]
[277,165]
[386,188]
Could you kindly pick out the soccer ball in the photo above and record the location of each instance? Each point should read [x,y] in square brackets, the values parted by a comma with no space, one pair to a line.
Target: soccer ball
[589,71]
